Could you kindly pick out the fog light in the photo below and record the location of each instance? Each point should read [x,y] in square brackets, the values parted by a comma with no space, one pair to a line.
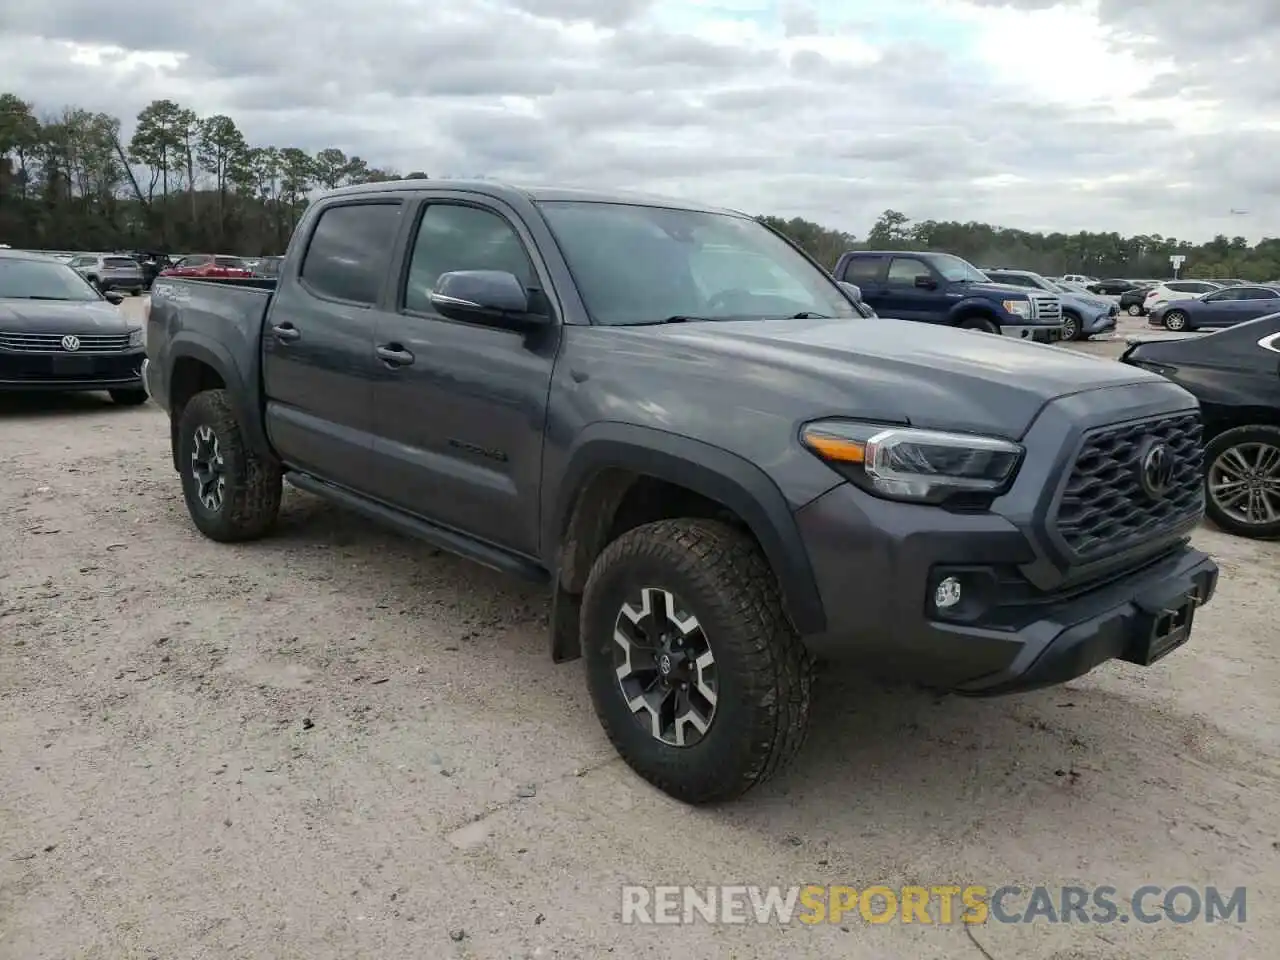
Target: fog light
[947,594]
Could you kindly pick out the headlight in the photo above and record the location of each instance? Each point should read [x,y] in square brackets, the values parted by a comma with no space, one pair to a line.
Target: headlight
[135,337]
[1019,308]
[920,466]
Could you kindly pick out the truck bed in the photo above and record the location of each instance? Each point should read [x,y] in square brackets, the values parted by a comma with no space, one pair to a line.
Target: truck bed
[220,319]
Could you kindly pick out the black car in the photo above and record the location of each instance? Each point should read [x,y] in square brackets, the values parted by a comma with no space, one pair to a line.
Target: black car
[1131,301]
[57,332]
[1112,288]
[1235,374]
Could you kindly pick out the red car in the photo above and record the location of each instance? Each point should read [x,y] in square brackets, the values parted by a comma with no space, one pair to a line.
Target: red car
[208,265]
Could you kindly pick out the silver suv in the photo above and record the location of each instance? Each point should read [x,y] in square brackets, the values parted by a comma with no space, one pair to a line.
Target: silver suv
[110,271]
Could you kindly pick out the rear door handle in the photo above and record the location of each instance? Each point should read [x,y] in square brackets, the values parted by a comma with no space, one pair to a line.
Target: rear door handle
[394,355]
[286,332]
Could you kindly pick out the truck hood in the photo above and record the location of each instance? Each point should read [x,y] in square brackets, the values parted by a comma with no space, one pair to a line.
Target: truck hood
[61,316]
[1005,291]
[892,370]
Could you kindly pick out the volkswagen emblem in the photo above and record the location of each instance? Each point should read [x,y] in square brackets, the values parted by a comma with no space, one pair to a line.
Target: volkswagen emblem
[71,344]
[1155,470]
[664,664]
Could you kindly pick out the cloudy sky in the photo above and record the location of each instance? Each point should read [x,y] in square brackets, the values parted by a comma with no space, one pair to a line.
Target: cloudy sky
[1131,115]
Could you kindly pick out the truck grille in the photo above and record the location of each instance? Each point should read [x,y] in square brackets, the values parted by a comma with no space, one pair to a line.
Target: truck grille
[1105,508]
[1046,308]
[52,342]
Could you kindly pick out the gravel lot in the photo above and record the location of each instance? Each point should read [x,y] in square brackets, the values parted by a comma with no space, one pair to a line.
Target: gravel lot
[339,743]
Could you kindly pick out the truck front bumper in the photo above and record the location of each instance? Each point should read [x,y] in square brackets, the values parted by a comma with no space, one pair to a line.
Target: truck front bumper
[1040,332]
[878,566]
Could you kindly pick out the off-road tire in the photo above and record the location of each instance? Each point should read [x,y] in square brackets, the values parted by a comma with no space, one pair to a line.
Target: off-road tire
[1257,433]
[981,324]
[128,398]
[765,674]
[251,501]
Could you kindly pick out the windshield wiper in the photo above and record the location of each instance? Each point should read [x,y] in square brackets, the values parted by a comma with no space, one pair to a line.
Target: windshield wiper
[809,315]
[59,299]
[678,318]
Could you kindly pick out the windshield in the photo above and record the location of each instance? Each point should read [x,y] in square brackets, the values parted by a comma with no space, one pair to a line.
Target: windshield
[1061,287]
[637,264]
[42,280]
[955,269]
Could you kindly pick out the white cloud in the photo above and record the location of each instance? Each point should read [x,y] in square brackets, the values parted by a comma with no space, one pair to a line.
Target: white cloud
[1126,115]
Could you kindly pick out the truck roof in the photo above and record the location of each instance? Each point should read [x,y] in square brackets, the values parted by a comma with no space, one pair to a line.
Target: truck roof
[535,194]
[898,253]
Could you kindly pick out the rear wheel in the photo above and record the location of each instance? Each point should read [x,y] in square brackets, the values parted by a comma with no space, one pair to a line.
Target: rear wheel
[1175,320]
[231,493]
[1135,310]
[980,323]
[699,680]
[1242,481]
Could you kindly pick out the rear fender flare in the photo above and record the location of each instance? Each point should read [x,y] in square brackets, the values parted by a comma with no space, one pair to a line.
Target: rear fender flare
[191,345]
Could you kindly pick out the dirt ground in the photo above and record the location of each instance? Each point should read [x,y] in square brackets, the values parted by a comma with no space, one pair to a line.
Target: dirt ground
[340,743]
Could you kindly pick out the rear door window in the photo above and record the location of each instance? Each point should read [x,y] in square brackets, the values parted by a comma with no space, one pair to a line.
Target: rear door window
[347,257]
[861,270]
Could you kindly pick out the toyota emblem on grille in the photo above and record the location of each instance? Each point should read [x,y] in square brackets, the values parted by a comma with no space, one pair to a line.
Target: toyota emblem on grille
[1155,470]
[71,343]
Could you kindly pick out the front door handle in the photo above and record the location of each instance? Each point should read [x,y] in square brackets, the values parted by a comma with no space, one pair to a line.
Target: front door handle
[394,355]
[286,332]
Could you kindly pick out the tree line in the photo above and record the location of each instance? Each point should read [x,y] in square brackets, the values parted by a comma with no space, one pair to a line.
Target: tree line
[182,182]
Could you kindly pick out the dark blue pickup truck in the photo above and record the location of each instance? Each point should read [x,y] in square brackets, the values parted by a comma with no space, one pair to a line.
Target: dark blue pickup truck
[944,289]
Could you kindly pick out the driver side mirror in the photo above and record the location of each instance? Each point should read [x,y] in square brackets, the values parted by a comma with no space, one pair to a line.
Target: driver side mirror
[113,296]
[483,296]
[852,289]
[925,282]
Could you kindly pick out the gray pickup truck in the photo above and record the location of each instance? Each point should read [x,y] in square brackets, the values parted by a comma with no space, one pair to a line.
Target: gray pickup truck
[688,430]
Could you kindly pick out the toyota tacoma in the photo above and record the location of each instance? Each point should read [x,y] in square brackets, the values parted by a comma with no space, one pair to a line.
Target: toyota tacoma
[689,432]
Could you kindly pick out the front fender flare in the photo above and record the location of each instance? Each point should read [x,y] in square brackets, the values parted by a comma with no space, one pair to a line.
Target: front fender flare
[710,471]
[971,305]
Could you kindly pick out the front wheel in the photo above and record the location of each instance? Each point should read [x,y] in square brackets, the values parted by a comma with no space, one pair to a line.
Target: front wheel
[1242,481]
[699,680]
[980,324]
[231,493]
[1070,327]
[1175,320]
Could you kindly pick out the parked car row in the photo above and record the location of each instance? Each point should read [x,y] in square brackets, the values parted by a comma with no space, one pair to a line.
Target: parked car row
[943,289]
[1083,316]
